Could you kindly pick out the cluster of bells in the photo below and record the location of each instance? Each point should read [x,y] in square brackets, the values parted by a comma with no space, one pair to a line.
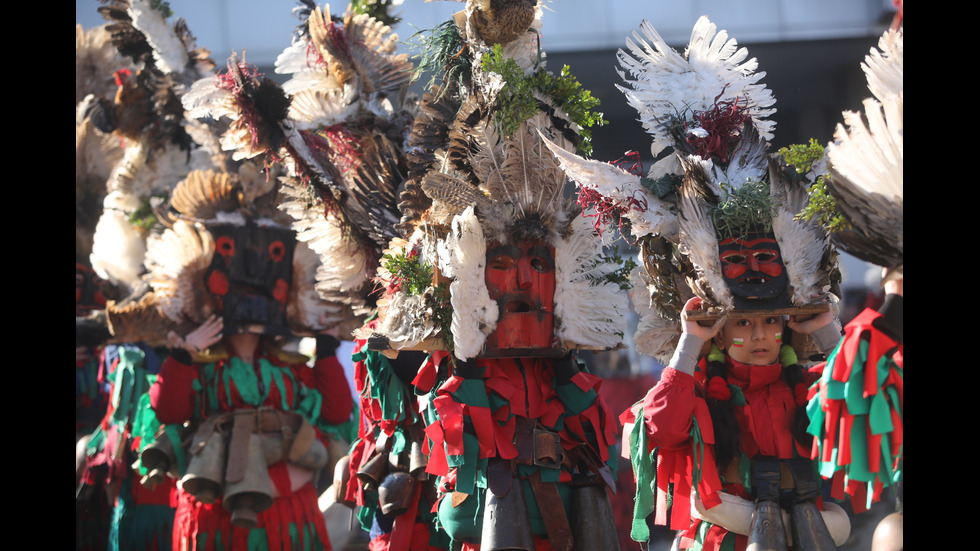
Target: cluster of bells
[767,531]
[244,490]
[393,478]
[505,523]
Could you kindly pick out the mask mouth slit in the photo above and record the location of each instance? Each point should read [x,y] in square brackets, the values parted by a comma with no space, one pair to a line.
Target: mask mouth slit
[517,307]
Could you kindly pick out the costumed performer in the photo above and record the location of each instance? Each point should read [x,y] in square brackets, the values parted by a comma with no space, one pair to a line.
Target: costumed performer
[718,446]
[263,417]
[498,277]
[341,132]
[856,411]
[128,76]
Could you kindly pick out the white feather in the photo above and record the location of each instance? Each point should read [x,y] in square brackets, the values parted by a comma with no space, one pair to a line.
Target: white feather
[206,99]
[306,311]
[168,50]
[474,312]
[343,267]
[871,156]
[589,309]
[803,244]
[655,336]
[117,249]
[314,108]
[666,85]
[885,67]
[699,242]
[621,187]
[177,260]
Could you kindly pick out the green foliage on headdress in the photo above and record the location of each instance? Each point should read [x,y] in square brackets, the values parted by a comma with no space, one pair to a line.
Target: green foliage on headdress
[516,102]
[378,9]
[409,271]
[621,275]
[822,206]
[144,217]
[442,53]
[415,278]
[748,208]
[163,7]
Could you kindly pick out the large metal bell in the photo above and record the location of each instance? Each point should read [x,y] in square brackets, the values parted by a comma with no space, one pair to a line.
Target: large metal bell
[395,493]
[159,460]
[767,533]
[206,469]
[373,472]
[505,522]
[417,461]
[252,494]
[593,525]
[810,533]
[341,477]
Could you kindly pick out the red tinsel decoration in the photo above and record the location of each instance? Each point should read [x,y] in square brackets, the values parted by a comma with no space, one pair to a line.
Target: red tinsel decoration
[606,210]
[723,123]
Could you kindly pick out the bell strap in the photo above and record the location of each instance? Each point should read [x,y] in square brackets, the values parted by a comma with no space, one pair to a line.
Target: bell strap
[552,512]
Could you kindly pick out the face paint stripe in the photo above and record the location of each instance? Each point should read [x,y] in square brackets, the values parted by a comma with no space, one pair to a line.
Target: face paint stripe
[737,341]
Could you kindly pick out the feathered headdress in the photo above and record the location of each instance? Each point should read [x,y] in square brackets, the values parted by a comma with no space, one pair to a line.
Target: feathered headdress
[146,117]
[713,182]
[338,125]
[479,174]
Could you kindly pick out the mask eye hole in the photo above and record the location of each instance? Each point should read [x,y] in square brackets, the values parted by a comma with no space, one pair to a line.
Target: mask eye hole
[765,256]
[736,258]
[277,251]
[502,262]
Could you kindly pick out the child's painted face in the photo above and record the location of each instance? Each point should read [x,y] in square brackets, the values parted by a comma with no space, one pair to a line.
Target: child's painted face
[752,340]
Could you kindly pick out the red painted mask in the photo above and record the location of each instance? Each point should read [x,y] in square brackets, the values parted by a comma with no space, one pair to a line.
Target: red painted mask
[521,278]
[250,275]
[753,267]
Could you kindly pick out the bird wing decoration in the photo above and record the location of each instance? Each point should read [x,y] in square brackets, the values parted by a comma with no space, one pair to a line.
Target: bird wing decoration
[699,243]
[748,162]
[177,261]
[867,171]
[96,61]
[306,312]
[804,244]
[589,308]
[362,48]
[646,212]
[867,161]
[141,30]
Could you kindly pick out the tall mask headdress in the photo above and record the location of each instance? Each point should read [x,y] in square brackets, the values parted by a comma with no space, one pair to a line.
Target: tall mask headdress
[715,215]
[229,251]
[338,126]
[495,259]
